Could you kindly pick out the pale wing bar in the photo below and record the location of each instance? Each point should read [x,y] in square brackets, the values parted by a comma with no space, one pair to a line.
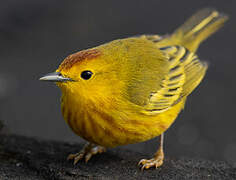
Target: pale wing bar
[172,85]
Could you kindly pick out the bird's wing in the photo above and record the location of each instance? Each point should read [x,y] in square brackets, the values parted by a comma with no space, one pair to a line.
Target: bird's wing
[185,71]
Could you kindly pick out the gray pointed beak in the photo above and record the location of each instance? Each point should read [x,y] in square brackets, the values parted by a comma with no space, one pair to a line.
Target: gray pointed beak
[55,77]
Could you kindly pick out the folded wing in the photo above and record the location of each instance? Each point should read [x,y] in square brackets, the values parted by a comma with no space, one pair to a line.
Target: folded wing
[185,72]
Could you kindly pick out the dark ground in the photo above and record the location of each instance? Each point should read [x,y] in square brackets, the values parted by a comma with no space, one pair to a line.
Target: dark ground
[28,158]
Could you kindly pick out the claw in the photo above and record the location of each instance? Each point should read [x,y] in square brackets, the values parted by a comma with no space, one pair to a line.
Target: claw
[145,166]
[88,157]
[87,152]
[154,162]
[77,158]
[141,161]
[71,156]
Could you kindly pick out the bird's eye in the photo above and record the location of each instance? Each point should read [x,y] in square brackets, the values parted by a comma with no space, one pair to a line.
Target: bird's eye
[86,75]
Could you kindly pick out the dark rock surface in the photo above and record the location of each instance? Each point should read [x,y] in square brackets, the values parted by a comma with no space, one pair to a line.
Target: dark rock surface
[28,158]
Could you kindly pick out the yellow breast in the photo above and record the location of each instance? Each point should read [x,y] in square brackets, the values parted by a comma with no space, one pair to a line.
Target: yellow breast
[115,126]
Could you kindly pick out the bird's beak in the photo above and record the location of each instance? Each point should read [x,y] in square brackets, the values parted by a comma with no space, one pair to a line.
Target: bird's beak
[55,77]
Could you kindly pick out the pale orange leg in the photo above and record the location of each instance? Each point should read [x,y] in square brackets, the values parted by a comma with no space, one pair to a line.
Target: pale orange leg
[87,152]
[158,158]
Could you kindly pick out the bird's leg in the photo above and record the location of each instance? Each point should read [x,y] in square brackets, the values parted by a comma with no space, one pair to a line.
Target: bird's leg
[158,158]
[87,152]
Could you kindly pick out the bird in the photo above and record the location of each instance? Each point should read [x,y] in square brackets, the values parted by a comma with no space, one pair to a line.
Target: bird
[131,90]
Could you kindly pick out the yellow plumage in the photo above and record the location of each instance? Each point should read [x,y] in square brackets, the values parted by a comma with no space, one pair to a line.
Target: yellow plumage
[131,90]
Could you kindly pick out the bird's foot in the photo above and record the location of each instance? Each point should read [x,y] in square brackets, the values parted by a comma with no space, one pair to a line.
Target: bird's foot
[156,162]
[87,152]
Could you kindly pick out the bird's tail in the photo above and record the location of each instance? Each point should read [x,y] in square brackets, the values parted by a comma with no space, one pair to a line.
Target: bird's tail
[198,28]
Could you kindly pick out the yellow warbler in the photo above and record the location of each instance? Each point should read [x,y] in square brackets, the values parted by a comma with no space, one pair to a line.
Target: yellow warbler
[131,90]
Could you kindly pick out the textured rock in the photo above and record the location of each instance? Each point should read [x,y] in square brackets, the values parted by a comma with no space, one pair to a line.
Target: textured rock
[28,158]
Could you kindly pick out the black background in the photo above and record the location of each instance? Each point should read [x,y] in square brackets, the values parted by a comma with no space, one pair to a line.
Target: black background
[35,36]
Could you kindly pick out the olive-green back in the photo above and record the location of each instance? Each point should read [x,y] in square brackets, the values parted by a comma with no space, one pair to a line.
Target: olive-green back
[158,72]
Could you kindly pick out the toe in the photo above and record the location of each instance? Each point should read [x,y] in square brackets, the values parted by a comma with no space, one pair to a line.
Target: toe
[71,156]
[88,157]
[142,161]
[158,163]
[146,164]
[78,158]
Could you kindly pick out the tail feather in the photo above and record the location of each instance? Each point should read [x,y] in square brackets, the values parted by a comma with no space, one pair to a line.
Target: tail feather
[198,28]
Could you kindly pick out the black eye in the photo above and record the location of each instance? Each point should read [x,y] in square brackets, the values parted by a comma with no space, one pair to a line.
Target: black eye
[86,75]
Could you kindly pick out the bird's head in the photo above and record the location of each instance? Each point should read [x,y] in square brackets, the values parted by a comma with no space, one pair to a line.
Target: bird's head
[91,74]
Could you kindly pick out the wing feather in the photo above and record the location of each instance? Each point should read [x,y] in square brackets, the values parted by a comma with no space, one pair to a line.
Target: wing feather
[185,71]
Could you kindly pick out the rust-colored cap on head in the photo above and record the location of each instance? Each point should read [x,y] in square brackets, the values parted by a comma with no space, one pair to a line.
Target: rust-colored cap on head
[78,57]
